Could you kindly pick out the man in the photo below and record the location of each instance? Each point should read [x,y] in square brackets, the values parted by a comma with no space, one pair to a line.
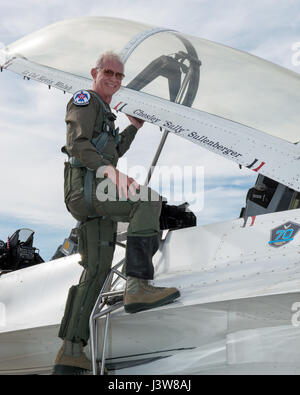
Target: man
[98,195]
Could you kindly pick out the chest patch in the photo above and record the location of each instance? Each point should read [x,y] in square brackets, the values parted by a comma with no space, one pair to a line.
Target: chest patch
[81,98]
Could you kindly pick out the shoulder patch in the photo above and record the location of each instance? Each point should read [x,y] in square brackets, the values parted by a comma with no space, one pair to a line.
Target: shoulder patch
[81,98]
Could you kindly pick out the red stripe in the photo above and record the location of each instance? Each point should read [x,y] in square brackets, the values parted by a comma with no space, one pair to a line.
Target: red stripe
[115,108]
[261,165]
[252,220]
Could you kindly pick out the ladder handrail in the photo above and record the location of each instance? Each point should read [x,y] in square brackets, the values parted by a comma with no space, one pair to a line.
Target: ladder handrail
[98,312]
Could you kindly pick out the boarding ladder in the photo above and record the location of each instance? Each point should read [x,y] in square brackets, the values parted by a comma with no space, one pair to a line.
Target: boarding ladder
[106,303]
[107,296]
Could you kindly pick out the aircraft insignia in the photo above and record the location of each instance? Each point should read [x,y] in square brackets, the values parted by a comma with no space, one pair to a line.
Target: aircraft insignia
[283,234]
[81,98]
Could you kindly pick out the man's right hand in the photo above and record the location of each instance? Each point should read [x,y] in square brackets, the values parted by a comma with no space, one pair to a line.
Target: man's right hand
[123,183]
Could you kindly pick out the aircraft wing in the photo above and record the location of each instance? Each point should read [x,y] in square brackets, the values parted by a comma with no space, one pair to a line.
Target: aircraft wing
[242,108]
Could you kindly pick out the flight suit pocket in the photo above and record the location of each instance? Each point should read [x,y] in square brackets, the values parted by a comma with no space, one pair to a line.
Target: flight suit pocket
[67,182]
[77,182]
[74,191]
[74,182]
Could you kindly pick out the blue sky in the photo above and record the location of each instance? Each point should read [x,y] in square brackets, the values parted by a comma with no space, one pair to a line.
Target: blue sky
[32,128]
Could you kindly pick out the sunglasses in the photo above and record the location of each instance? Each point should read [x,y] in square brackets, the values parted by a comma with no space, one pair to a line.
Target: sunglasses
[111,73]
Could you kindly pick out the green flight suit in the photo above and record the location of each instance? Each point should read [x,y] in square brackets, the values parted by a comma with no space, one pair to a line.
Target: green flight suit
[83,123]
[96,240]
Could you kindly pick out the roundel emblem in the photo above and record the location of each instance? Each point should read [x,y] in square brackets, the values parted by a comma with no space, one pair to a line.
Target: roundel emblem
[81,98]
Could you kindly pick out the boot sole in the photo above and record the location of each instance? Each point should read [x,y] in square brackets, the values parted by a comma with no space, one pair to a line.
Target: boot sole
[68,370]
[136,307]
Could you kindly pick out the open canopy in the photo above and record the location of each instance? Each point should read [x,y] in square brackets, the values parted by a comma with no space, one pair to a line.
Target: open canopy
[194,72]
[229,102]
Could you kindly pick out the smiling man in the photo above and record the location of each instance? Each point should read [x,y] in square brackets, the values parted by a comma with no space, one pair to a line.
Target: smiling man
[93,143]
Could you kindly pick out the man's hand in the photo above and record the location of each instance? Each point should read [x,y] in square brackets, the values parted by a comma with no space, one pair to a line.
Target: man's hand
[138,123]
[122,181]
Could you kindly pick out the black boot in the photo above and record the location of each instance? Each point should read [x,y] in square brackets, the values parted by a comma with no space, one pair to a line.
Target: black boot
[140,295]
[139,253]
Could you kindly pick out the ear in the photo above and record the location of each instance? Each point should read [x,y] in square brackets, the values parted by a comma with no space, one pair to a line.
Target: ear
[94,73]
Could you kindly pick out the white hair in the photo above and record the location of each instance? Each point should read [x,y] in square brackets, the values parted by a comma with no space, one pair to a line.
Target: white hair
[108,55]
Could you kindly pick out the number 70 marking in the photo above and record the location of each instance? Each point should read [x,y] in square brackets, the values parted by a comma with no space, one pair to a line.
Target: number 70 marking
[283,235]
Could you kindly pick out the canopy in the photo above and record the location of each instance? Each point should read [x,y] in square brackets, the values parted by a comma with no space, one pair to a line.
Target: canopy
[194,72]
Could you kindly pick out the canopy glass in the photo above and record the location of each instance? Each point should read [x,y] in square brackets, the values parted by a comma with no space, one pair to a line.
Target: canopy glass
[194,72]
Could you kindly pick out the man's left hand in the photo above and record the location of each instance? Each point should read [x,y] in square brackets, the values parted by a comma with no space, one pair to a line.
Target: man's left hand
[138,123]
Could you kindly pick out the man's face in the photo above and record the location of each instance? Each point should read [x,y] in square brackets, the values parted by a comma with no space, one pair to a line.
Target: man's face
[105,85]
